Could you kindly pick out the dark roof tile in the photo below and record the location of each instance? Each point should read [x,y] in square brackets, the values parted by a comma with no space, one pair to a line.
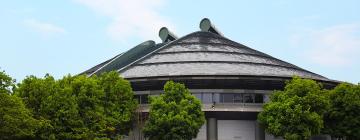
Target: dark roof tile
[205,53]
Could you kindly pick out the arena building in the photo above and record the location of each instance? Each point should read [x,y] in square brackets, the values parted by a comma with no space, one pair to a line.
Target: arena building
[231,79]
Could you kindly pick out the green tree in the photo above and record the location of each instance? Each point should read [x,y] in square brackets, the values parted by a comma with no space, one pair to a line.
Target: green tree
[89,95]
[343,118]
[6,83]
[174,115]
[296,113]
[60,109]
[119,104]
[80,107]
[54,105]
[34,91]
[16,122]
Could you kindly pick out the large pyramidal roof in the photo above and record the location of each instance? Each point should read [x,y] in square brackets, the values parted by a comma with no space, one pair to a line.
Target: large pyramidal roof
[201,53]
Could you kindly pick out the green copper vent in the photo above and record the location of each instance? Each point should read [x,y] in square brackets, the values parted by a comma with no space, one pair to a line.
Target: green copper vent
[128,57]
[205,25]
[166,35]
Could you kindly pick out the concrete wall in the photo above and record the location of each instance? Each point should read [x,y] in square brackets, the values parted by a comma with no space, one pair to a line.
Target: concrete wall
[236,130]
[318,137]
[202,133]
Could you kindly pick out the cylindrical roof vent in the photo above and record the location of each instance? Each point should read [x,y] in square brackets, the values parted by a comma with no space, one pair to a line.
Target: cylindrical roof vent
[166,35]
[205,25]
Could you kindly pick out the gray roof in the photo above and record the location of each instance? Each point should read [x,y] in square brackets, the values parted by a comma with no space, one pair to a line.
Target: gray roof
[204,53]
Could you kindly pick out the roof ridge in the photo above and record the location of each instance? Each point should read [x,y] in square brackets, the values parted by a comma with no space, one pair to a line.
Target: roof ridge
[252,63]
[154,52]
[130,54]
[236,44]
[213,35]
[133,57]
[236,53]
[96,67]
[269,56]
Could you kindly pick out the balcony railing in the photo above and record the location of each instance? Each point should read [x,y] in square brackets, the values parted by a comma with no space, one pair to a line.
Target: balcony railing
[243,107]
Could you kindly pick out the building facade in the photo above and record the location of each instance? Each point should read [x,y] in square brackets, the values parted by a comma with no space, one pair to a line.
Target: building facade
[231,79]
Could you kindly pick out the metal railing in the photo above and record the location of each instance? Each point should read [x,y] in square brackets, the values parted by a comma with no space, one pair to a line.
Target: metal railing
[243,107]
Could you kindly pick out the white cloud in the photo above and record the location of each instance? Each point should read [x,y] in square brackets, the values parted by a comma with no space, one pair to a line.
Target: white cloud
[43,27]
[306,19]
[332,46]
[130,18]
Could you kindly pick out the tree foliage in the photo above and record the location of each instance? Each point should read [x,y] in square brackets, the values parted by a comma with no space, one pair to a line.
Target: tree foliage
[34,91]
[16,121]
[343,118]
[296,113]
[6,83]
[174,115]
[118,108]
[80,107]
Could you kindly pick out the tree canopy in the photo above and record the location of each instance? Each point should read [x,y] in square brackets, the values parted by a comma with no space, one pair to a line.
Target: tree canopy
[343,117]
[296,113]
[174,115]
[79,107]
[16,121]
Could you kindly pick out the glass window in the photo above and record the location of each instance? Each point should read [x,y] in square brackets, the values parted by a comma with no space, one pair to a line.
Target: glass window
[238,98]
[207,98]
[259,98]
[248,98]
[216,97]
[266,98]
[227,98]
[198,95]
[144,99]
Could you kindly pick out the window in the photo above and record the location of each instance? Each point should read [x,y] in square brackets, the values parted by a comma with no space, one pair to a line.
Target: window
[266,98]
[216,97]
[259,98]
[238,98]
[226,98]
[142,99]
[198,95]
[248,98]
[207,98]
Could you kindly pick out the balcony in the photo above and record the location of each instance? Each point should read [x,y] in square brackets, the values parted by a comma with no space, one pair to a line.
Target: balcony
[231,107]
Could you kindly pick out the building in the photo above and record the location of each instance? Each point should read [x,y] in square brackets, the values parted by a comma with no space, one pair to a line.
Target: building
[231,79]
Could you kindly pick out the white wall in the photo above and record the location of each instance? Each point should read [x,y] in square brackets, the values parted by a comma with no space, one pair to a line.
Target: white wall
[202,133]
[236,130]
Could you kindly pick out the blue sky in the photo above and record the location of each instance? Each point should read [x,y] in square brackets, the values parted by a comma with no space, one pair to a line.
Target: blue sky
[70,36]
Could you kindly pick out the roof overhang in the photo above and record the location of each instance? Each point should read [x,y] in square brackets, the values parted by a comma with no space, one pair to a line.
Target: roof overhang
[219,82]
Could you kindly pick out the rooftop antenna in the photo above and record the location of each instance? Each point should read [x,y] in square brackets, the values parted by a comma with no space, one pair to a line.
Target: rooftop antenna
[166,35]
[205,25]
